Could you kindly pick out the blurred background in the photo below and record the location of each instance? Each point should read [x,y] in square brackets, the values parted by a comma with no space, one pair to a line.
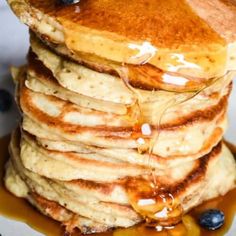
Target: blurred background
[13,48]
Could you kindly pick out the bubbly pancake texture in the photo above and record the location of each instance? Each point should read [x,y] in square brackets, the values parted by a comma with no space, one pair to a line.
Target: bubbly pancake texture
[64,199]
[181,41]
[124,106]
[79,124]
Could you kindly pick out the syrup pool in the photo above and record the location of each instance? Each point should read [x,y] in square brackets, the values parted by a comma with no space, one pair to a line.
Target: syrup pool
[20,210]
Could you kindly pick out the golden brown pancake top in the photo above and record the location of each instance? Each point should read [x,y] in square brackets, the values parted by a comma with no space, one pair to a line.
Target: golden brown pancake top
[164,23]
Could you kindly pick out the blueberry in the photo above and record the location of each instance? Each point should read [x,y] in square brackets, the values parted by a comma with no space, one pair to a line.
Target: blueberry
[5,100]
[68,2]
[212,219]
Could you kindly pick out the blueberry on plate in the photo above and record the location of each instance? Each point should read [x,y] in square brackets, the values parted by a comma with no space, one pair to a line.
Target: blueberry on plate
[68,2]
[212,219]
[5,100]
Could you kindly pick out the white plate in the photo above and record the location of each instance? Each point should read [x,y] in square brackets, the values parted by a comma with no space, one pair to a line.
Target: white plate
[13,48]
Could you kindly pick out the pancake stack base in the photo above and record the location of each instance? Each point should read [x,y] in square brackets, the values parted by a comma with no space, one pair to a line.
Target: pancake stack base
[122,124]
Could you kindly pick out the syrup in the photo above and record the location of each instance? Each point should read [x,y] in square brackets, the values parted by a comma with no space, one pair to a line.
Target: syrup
[130,33]
[160,207]
[143,192]
[144,76]
[153,202]
[19,209]
[146,197]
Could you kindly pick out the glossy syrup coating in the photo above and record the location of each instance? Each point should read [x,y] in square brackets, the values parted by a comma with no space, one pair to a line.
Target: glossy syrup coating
[155,24]
[167,34]
[24,212]
[166,24]
[163,23]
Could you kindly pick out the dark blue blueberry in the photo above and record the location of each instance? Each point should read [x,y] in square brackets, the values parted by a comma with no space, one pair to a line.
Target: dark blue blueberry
[68,2]
[212,219]
[5,100]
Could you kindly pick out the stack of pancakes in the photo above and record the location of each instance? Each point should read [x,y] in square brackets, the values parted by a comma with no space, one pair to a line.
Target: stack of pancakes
[124,108]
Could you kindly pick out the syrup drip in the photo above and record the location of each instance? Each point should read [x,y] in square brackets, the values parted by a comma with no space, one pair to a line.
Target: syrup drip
[155,204]
[148,77]
[19,209]
[146,196]
[138,25]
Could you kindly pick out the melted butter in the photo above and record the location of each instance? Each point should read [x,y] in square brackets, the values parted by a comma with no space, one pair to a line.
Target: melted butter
[159,32]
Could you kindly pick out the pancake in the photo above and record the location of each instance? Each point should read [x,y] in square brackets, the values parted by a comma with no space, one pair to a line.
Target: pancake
[46,84]
[121,123]
[145,77]
[69,165]
[169,107]
[59,163]
[133,153]
[121,215]
[91,127]
[200,183]
[91,83]
[83,80]
[122,37]
[52,209]
[39,79]
[110,135]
